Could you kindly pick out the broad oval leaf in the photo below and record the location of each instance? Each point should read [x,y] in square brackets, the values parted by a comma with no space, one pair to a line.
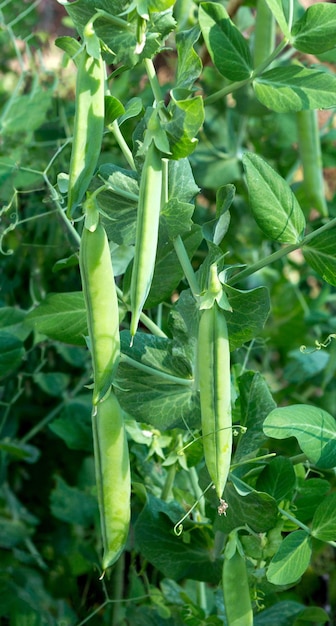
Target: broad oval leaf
[277,478]
[295,88]
[324,520]
[291,560]
[250,310]
[62,317]
[274,206]
[256,509]
[12,352]
[320,254]
[314,429]
[315,31]
[227,47]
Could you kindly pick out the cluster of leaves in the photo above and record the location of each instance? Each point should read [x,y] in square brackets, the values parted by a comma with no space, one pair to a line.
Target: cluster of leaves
[253,218]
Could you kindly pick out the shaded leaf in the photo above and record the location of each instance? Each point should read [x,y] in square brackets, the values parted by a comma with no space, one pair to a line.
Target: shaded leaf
[62,317]
[258,510]
[250,310]
[52,383]
[277,478]
[74,424]
[12,353]
[72,505]
[324,520]
[189,64]
[320,254]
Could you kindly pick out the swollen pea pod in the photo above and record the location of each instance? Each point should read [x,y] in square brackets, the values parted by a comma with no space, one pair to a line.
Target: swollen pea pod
[88,126]
[146,232]
[112,477]
[237,599]
[101,308]
[213,364]
[311,157]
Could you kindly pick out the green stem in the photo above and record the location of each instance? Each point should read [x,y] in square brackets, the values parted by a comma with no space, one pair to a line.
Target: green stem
[189,273]
[294,520]
[193,476]
[201,595]
[153,79]
[122,144]
[280,253]
[118,589]
[168,485]
[169,378]
[150,325]
[311,159]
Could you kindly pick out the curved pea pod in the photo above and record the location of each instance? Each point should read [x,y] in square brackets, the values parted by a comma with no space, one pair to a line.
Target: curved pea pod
[101,308]
[146,232]
[215,394]
[112,476]
[237,600]
[88,127]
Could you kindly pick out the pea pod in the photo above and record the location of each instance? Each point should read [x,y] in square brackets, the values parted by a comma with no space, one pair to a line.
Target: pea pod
[112,477]
[215,394]
[88,127]
[146,232]
[101,308]
[311,157]
[237,600]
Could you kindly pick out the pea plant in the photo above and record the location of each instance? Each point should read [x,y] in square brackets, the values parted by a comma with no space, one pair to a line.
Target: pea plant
[168,377]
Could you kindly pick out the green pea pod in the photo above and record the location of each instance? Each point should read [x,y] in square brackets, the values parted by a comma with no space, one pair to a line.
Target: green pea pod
[146,232]
[237,600]
[88,127]
[215,394]
[311,157]
[112,477]
[101,308]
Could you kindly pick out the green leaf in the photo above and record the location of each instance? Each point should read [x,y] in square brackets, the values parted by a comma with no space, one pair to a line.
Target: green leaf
[190,555]
[281,614]
[38,102]
[186,118]
[61,317]
[189,64]
[132,109]
[315,31]
[305,365]
[256,402]
[320,254]
[227,47]
[311,615]
[12,533]
[258,510]
[113,109]
[157,395]
[20,451]
[277,9]
[118,203]
[175,217]
[324,520]
[71,505]
[12,353]
[52,383]
[309,494]
[274,206]
[291,560]
[277,478]
[295,88]
[12,321]
[250,310]
[314,428]
[74,424]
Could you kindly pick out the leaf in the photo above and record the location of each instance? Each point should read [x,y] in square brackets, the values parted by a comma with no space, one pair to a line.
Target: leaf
[315,31]
[12,353]
[61,317]
[52,383]
[250,310]
[186,118]
[295,88]
[291,560]
[256,402]
[258,510]
[227,47]
[282,614]
[12,533]
[324,520]
[277,9]
[189,64]
[277,478]
[305,365]
[71,505]
[320,254]
[156,541]
[20,451]
[113,109]
[118,203]
[74,424]
[309,494]
[149,395]
[311,615]
[314,428]
[12,321]
[273,204]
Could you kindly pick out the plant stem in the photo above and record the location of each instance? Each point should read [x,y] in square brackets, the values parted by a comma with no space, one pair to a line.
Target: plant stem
[152,327]
[153,79]
[187,267]
[280,253]
[118,588]
[197,489]
[122,144]
[311,159]
[168,485]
